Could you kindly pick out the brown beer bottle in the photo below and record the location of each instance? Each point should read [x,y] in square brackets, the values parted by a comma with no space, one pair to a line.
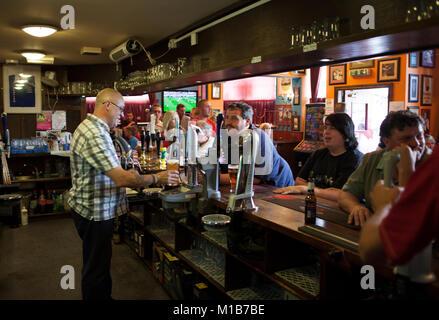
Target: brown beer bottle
[310,204]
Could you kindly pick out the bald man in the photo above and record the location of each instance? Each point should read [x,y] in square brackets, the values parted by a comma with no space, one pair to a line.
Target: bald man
[98,191]
[205,107]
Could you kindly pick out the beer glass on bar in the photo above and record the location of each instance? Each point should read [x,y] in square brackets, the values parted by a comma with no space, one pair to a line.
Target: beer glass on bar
[233,174]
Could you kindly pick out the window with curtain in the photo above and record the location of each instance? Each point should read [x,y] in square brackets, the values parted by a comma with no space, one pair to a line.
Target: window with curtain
[321,93]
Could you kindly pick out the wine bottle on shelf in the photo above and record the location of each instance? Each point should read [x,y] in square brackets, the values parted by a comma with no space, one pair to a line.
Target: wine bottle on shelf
[49,202]
[42,202]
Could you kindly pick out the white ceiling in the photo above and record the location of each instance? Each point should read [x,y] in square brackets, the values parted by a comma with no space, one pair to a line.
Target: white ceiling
[98,23]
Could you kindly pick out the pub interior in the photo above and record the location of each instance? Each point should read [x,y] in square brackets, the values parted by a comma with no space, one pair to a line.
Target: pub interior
[322,85]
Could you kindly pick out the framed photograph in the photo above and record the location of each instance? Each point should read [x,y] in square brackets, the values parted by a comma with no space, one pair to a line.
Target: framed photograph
[413,59]
[388,69]
[413,88]
[425,114]
[426,90]
[414,109]
[216,90]
[284,86]
[337,74]
[427,58]
[22,89]
[296,92]
[362,64]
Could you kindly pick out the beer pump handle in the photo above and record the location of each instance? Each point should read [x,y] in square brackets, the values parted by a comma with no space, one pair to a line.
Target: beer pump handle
[219,123]
[390,159]
[147,140]
[142,139]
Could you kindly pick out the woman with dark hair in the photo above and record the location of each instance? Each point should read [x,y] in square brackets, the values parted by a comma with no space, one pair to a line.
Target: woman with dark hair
[331,166]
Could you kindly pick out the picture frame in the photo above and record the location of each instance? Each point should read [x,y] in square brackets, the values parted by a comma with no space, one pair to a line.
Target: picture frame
[413,59]
[216,90]
[362,64]
[389,69]
[426,90]
[337,74]
[414,109]
[425,113]
[427,58]
[284,86]
[413,93]
[296,93]
[27,99]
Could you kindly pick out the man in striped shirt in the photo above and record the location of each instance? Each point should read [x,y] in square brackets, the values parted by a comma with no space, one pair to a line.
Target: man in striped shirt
[98,192]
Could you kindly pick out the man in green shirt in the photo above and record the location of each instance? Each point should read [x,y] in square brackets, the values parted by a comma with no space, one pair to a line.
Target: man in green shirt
[401,131]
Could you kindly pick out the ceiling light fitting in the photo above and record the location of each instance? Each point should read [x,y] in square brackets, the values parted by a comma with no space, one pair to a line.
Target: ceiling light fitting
[34,55]
[39,31]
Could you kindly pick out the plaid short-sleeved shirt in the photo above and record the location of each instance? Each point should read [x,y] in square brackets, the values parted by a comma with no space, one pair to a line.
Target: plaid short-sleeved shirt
[93,194]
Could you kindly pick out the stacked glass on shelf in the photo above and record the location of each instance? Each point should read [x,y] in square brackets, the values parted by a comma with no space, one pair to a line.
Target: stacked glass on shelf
[418,10]
[31,145]
[328,29]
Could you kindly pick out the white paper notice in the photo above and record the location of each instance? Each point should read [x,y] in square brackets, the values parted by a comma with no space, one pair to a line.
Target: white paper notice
[329,107]
[396,105]
[59,120]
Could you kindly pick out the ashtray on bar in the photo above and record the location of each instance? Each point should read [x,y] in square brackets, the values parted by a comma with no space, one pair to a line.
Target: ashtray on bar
[216,222]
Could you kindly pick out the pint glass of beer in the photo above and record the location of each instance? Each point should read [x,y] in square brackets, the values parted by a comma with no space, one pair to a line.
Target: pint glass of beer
[173,164]
[233,174]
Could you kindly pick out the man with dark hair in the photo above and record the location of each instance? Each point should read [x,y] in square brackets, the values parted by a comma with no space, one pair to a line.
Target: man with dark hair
[128,121]
[184,119]
[239,116]
[331,166]
[401,131]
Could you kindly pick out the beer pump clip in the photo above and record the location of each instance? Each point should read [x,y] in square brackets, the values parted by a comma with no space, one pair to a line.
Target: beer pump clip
[242,200]
[418,269]
[152,127]
[209,166]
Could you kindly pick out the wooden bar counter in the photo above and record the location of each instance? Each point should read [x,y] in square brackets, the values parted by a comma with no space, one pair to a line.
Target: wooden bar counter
[287,222]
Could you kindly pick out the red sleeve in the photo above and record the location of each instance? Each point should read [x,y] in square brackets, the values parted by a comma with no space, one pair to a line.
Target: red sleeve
[413,222]
[212,124]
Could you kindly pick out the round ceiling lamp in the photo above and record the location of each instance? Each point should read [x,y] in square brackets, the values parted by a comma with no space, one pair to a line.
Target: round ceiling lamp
[33,55]
[39,31]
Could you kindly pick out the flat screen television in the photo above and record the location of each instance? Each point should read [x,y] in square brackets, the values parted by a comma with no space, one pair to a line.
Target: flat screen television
[172,98]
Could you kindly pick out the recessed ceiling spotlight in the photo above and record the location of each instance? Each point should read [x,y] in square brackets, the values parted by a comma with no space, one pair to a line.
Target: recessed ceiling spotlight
[198,81]
[246,73]
[39,31]
[33,55]
[325,60]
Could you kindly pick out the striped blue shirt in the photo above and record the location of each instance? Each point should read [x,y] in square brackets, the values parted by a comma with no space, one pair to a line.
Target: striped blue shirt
[93,194]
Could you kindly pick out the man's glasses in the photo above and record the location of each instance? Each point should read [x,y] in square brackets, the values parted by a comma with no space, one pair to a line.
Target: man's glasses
[120,108]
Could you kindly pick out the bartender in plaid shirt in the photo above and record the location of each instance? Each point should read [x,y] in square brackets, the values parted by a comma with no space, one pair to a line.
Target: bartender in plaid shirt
[98,190]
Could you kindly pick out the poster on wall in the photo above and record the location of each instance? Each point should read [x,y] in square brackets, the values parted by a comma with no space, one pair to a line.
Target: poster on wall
[425,114]
[284,87]
[426,90]
[59,121]
[44,121]
[22,89]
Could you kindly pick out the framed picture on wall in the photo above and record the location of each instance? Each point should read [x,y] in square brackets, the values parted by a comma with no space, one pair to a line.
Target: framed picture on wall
[22,89]
[388,69]
[337,74]
[284,86]
[216,90]
[425,114]
[426,90]
[413,109]
[413,59]
[427,58]
[413,88]
[362,64]
[296,92]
